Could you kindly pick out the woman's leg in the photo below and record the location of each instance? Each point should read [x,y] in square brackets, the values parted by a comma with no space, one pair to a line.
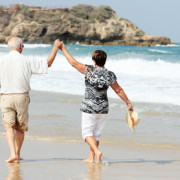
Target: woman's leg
[88,124]
[91,156]
[94,151]
[92,125]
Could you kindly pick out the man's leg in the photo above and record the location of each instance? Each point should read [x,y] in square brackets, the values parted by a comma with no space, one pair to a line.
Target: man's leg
[94,148]
[9,121]
[11,142]
[19,142]
[21,103]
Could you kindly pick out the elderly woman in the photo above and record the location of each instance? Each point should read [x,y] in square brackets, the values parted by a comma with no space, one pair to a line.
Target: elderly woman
[94,106]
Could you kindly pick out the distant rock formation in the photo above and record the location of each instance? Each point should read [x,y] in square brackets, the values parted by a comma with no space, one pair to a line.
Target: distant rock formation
[82,23]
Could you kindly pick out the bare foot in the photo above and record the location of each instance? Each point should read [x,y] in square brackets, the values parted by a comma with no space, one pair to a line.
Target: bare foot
[12,159]
[19,157]
[88,160]
[98,155]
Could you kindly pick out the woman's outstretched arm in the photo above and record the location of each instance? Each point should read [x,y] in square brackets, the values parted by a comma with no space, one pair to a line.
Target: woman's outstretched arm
[79,66]
[120,92]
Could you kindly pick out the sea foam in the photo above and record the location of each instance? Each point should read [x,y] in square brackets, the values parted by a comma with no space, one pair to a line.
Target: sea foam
[147,74]
[136,66]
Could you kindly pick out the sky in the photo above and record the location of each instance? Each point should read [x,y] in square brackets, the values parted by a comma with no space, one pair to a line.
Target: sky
[154,17]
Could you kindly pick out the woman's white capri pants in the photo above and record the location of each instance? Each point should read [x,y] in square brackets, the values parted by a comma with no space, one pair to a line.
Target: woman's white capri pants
[92,125]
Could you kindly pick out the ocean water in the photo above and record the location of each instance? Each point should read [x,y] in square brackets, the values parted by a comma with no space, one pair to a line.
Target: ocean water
[150,76]
[147,74]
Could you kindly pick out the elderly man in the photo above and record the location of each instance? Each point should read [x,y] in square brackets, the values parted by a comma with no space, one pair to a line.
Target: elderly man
[15,74]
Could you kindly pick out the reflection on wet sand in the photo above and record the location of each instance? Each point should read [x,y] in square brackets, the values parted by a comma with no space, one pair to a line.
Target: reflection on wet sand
[14,172]
[94,172]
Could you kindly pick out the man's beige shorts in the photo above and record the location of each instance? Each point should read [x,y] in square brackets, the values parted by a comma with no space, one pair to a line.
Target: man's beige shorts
[15,111]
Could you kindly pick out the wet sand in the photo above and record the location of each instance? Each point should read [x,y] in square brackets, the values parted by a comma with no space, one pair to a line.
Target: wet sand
[57,160]
[53,147]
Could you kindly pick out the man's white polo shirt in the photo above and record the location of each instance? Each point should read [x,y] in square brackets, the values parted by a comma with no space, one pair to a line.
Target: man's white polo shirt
[16,71]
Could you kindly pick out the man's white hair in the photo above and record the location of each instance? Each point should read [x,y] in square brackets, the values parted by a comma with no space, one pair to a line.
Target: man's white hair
[14,43]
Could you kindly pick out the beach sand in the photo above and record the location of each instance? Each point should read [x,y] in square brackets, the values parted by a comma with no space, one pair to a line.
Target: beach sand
[53,147]
[57,160]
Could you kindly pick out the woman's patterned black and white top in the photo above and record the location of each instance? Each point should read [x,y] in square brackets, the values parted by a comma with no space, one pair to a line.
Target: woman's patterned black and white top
[97,81]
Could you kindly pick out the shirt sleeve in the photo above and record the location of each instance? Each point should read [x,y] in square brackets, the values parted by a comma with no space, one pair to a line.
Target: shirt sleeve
[88,71]
[113,78]
[38,66]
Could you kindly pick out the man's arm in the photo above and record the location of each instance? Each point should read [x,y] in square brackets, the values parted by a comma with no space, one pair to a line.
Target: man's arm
[79,66]
[120,92]
[52,55]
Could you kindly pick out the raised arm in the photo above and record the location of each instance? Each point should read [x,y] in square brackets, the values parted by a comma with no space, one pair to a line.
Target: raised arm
[120,92]
[79,66]
[52,55]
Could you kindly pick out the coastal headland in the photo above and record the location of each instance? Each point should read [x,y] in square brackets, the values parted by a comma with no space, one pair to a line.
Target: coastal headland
[82,24]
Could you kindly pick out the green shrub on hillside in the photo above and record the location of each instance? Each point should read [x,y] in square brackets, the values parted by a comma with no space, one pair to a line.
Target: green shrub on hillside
[51,19]
[139,33]
[25,11]
[105,11]
[2,8]
[73,20]
[81,11]
[6,32]
[102,13]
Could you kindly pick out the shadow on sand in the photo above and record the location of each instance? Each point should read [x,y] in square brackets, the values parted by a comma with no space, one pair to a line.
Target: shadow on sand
[111,162]
[50,160]
[105,162]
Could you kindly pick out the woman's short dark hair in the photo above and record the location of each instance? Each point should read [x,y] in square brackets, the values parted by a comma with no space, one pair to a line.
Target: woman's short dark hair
[99,57]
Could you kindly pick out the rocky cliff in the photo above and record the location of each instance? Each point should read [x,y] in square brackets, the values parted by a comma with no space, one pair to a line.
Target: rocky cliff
[82,23]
